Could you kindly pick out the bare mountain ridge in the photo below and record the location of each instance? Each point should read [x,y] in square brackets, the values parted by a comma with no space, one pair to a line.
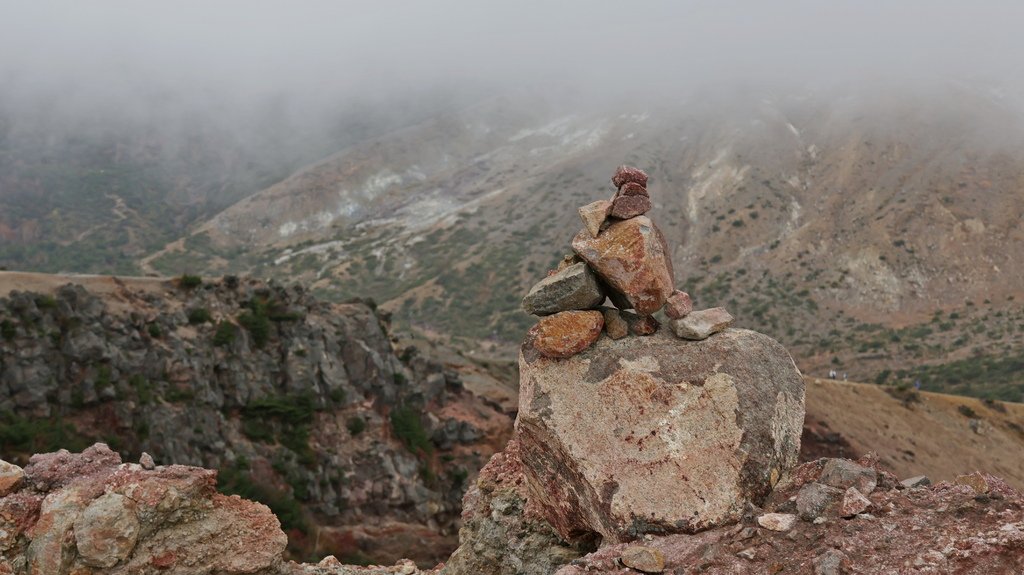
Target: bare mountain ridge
[868,233]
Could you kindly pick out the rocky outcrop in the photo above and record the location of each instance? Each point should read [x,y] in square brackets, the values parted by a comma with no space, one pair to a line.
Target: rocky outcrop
[654,435]
[630,438]
[363,450]
[90,513]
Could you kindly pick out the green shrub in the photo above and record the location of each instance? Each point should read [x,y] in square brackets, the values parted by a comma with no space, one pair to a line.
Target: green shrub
[256,323]
[45,302]
[967,411]
[154,331]
[7,330]
[408,428]
[356,425]
[199,315]
[143,389]
[189,281]
[225,334]
[177,394]
[293,415]
[28,436]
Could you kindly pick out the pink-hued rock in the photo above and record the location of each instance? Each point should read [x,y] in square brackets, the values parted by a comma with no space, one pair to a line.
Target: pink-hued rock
[594,214]
[678,305]
[88,513]
[566,333]
[632,189]
[680,434]
[626,207]
[777,521]
[626,174]
[631,256]
[701,324]
[853,503]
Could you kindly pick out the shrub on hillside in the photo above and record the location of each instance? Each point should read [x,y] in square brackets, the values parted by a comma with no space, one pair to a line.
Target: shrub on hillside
[189,281]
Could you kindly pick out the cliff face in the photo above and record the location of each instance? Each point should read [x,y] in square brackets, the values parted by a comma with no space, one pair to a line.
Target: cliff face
[361,450]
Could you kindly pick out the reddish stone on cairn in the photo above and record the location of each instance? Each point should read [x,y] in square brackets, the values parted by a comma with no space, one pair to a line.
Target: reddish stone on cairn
[633,189]
[631,256]
[679,305]
[626,207]
[626,174]
[565,334]
[641,324]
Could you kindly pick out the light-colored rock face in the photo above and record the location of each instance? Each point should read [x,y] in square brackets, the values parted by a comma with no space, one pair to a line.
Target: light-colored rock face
[107,530]
[10,477]
[594,214]
[701,324]
[631,256]
[657,434]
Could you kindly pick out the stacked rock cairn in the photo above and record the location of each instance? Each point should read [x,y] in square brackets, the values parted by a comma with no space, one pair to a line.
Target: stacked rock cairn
[620,258]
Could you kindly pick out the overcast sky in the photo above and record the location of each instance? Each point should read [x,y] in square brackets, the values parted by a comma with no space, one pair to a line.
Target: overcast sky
[325,50]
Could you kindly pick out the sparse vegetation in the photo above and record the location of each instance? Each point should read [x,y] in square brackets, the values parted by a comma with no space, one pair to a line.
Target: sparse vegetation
[189,281]
[199,315]
[408,428]
[356,425]
[225,334]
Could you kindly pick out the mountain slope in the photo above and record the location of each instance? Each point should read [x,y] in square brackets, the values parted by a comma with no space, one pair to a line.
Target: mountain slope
[872,232]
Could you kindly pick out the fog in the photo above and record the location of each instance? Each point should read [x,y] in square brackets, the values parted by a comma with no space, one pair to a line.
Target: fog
[319,54]
[279,84]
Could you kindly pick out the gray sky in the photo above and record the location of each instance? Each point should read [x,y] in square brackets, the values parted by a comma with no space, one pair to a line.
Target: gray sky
[321,51]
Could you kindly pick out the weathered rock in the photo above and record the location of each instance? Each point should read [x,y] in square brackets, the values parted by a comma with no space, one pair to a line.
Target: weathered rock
[501,533]
[641,324]
[777,521]
[96,514]
[594,214]
[106,532]
[916,481]
[642,558]
[574,287]
[976,481]
[678,305]
[853,503]
[701,324]
[830,562]
[614,324]
[631,256]
[815,500]
[626,174]
[10,477]
[651,435]
[566,333]
[843,473]
[633,189]
[626,207]
[146,461]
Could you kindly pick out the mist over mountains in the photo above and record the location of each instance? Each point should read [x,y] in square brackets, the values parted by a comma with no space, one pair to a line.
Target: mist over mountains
[847,178]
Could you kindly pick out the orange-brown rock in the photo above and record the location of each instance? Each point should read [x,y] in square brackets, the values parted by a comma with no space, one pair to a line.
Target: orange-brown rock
[565,334]
[631,256]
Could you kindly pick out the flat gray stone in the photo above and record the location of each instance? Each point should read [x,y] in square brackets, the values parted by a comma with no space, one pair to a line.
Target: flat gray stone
[573,288]
[815,500]
[843,473]
[698,325]
[916,481]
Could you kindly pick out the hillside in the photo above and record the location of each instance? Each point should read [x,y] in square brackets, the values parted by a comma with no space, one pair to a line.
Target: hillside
[362,448]
[871,232]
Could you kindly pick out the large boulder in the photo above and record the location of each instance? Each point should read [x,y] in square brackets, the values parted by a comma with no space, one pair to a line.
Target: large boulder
[655,434]
[631,256]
